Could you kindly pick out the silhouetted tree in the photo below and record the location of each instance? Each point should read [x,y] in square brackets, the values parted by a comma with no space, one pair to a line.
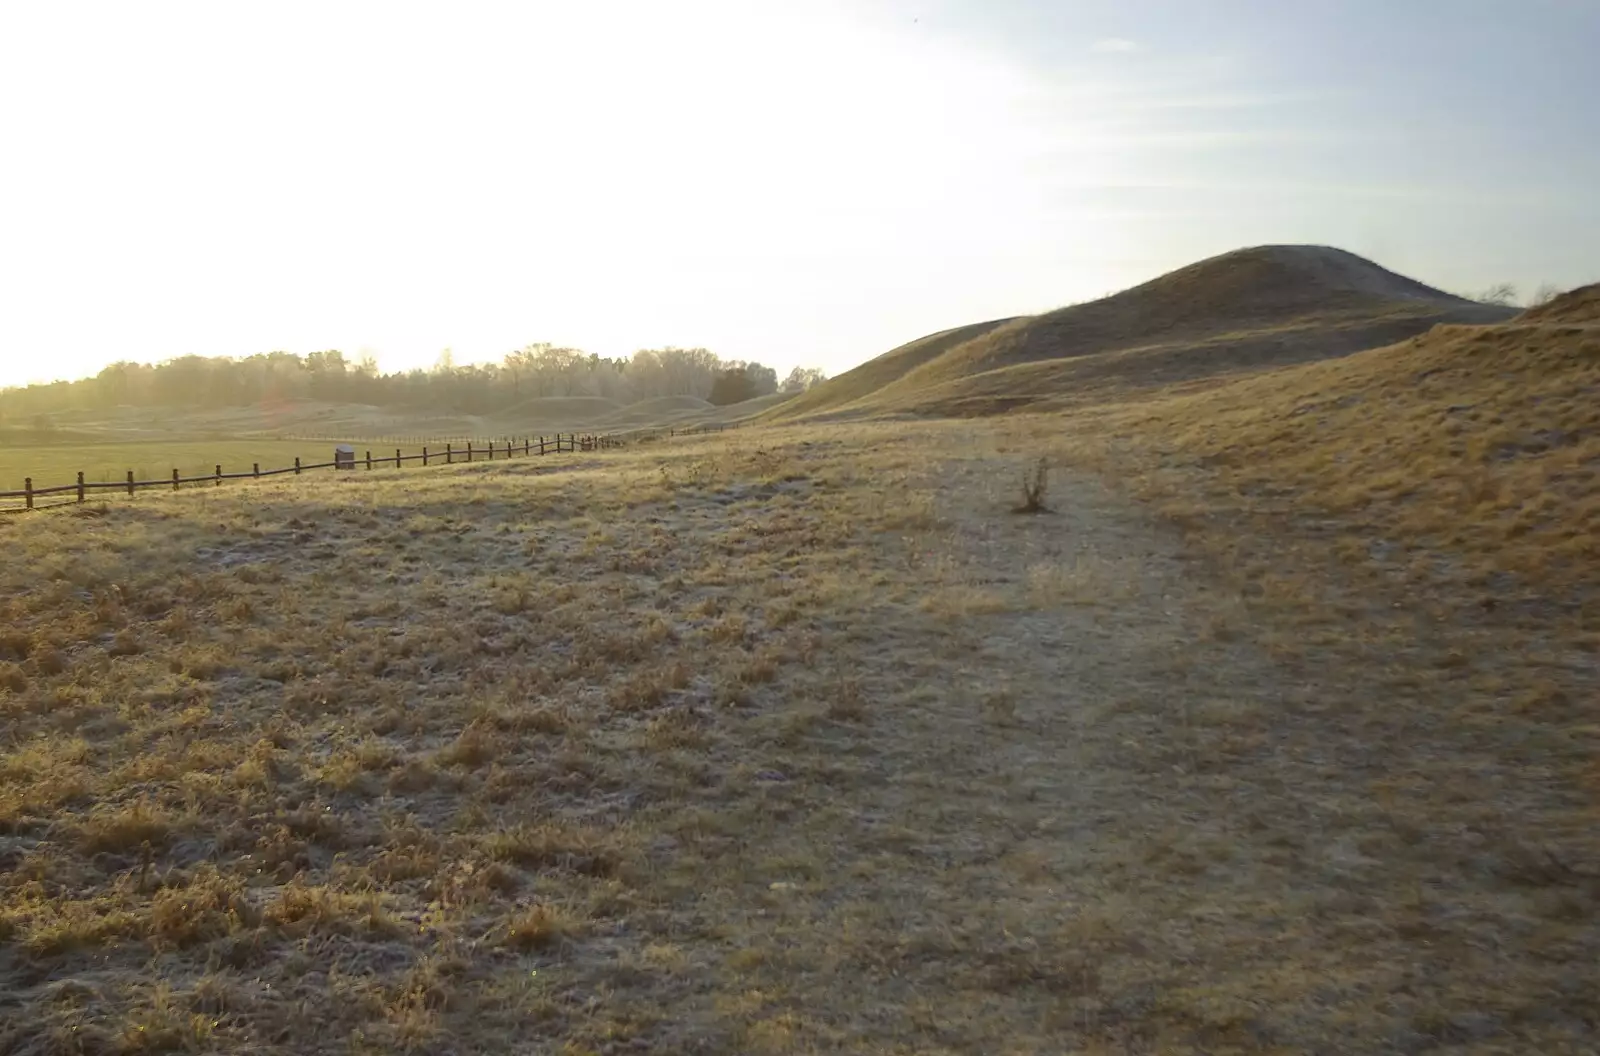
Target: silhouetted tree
[1545,294]
[1503,293]
[802,378]
[734,385]
[534,370]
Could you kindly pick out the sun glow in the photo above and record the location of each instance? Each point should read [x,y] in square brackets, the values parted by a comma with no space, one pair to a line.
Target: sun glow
[202,179]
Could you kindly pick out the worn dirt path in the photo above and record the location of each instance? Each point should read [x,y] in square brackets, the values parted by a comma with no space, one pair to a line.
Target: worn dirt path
[1091,809]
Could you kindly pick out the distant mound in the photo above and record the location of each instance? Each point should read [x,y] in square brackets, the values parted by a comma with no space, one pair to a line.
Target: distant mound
[738,412]
[710,414]
[1245,310]
[1580,306]
[271,417]
[667,405]
[558,411]
[654,412]
[30,436]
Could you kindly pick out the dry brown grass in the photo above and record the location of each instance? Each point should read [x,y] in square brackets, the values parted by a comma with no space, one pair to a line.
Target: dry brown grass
[1467,459]
[788,741]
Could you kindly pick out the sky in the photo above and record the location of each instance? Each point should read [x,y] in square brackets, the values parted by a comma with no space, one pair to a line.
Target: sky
[798,182]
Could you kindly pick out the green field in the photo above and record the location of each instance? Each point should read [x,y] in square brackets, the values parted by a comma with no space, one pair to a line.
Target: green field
[55,464]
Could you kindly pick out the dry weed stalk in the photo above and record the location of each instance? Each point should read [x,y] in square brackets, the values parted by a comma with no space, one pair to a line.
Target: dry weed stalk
[1035,483]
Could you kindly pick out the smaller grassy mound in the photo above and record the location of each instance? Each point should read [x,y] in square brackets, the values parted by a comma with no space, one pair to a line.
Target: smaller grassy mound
[28,436]
[1471,452]
[666,406]
[660,412]
[738,412]
[558,412]
[838,393]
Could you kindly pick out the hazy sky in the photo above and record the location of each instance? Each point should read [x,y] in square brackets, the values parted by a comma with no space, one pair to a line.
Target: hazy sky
[804,181]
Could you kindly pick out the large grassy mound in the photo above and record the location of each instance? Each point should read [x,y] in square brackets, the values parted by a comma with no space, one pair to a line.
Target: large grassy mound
[1245,310]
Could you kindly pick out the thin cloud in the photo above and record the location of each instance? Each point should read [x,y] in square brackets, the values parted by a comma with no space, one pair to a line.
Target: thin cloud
[1114,46]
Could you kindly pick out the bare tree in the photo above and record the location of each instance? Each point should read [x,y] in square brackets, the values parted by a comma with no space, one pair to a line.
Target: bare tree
[1502,293]
[1545,294]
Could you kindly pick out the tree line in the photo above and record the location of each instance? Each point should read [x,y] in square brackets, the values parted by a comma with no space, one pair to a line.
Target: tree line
[539,370]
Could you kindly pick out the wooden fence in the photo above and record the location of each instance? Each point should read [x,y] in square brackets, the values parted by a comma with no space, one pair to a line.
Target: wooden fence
[450,455]
[697,430]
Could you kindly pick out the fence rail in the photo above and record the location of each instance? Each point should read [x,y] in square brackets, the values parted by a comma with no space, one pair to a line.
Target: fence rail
[450,454]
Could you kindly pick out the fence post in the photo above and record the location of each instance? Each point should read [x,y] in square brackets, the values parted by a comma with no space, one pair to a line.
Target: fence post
[424,454]
[526,445]
[449,454]
[297,465]
[369,460]
[255,468]
[219,474]
[469,450]
[175,478]
[80,485]
[130,482]
[541,445]
[27,491]
[397,462]
[508,448]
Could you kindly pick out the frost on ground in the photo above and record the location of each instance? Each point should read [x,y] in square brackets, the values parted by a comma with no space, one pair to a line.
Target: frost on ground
[785,741]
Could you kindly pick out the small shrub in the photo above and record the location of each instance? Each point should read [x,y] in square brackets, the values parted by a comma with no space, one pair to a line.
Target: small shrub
[846,703]
[1035,483]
